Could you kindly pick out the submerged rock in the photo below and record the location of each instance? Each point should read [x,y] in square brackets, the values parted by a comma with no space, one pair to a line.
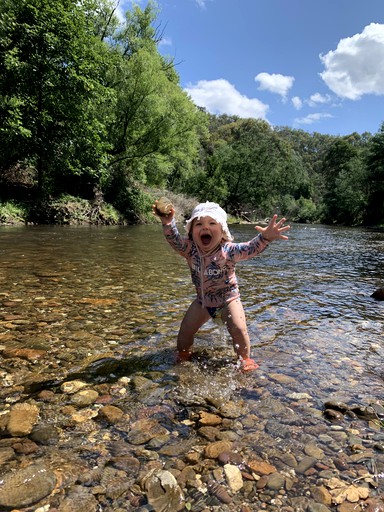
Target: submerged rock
[235,483]
[22,418]
[72,386]
[163,491]
[378,294]
[233,477]
[26,486]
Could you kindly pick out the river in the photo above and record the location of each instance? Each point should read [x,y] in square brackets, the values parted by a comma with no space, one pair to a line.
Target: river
[104,303]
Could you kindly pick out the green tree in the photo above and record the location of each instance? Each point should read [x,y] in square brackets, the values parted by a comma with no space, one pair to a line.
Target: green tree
[155,130]
[89,103]
[375,179]
[312,149]
[258,167]
[344,169]
[351,193]
[51,92]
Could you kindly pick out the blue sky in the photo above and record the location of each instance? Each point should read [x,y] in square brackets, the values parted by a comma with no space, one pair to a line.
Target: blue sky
[316,66]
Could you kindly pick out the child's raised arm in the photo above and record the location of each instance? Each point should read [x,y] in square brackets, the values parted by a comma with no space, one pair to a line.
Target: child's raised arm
[274,230]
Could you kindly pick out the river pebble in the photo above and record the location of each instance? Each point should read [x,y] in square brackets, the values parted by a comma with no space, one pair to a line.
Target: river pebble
[163,491]
[22,418]
[233,477]
[111,413]
[26,486]
[84,397]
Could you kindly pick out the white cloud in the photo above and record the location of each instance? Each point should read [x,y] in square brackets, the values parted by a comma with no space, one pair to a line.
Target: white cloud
[356,66]
[312,118]
[318,98]
[276,83]
[296,102]
[221,97]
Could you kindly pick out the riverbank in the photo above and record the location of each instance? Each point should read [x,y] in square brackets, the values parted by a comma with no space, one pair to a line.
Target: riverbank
[70,210]
[75,211]
[64,211]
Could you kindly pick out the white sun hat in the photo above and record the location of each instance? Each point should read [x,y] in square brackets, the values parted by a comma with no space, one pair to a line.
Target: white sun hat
[213,210]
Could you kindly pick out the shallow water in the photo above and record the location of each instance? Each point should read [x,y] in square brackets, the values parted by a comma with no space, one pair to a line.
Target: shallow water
[307,300]
[106,302]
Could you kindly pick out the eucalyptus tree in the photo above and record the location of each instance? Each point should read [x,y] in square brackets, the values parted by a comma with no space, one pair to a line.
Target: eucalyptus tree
[52,92]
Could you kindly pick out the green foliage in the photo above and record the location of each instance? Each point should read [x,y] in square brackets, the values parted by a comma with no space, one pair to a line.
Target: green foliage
[311,149]
[249,168]
[375,179]
[155,127]
[210,185]
[129,199]
[300,210]
[345,196]
[51,90]
[351,194]
[84,98]
[12,213]
[90,110]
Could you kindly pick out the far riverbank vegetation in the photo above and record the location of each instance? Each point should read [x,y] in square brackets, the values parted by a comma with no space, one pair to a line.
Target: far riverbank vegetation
[94,125]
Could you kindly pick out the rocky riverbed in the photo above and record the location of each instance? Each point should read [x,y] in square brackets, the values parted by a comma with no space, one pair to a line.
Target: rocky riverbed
[96,417]
[128,430]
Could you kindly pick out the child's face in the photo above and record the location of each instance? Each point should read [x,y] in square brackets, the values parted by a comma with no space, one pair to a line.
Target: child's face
[206,233]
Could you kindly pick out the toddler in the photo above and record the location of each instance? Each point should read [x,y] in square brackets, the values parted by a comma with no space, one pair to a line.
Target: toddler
[212,255]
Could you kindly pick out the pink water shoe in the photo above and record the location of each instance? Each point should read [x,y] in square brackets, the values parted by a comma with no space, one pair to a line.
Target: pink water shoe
[248,365]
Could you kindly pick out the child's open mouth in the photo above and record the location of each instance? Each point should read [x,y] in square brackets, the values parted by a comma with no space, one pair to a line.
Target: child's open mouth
[206,239]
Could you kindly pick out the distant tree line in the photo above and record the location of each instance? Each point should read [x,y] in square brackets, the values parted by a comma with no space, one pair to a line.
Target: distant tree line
[250,167]
[90,108]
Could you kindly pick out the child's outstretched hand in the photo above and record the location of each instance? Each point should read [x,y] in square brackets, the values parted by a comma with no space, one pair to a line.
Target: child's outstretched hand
[165,218]
[274,230]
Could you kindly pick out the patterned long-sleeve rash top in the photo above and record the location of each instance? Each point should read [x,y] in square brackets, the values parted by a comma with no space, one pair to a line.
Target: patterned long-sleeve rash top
[214,274]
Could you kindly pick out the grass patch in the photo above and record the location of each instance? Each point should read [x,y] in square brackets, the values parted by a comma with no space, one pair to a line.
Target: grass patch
[13,213]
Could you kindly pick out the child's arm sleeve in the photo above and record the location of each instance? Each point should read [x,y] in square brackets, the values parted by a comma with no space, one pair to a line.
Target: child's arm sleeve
[247,250]
[179,243]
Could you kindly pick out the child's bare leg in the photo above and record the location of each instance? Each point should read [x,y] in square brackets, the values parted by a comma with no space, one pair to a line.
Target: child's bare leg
[234,318]
[194,318]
